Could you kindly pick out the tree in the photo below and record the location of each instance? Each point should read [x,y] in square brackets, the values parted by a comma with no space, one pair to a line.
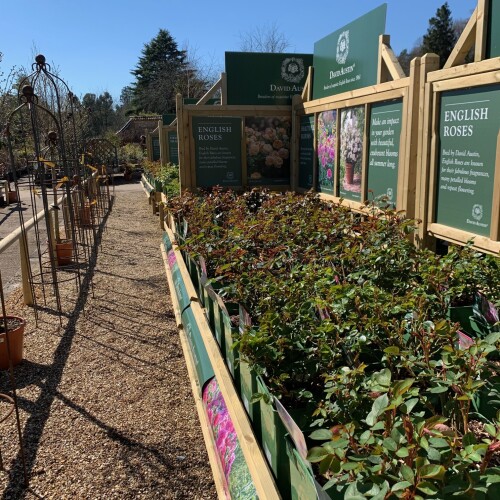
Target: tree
[158,69]
[441,36]
[264,39]
[101,113]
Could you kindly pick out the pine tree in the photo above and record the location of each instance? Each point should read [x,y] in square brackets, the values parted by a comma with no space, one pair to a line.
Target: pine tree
[441,36]
[156,74]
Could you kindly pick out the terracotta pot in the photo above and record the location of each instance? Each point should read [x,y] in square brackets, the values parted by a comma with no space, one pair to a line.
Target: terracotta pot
[13,197]
[16,341]
[349,172]
[84,218]
[64,252]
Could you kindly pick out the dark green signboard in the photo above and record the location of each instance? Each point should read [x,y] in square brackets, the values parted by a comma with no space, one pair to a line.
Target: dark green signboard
[348,58]
[173,147]
[327,150]
[168,118]
[352,124]
[201,360]
[383,154]
[306,152]
[155,142]
[468,129]
[265,78]
[268,150]
[493,40]
[217,143]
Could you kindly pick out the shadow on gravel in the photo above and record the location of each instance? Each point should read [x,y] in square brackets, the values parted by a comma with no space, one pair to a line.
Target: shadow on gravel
[49,378]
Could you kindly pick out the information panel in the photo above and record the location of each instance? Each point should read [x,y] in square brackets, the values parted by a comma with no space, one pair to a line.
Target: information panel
[217,142]
[327,150]
[352,124]
[348,58]
[268,150]
[383,152]
[468,129]
[155,142]
[265,78]
[173,147]
[306,152]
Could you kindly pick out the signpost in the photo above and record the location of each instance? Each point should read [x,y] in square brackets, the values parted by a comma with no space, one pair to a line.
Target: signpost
[217,143]
[347,59]
[173,148]
[383,153]
[468,129]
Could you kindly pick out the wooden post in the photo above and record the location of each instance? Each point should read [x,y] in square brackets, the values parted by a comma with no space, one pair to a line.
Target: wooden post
[223,89]
[25,274]
[429,62]
[482,16]
[495,206]
[161,209]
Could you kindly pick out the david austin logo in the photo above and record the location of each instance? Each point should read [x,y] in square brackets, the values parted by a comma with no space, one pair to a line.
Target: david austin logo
[390,194]
[343,47]
[292,69]
[477,212]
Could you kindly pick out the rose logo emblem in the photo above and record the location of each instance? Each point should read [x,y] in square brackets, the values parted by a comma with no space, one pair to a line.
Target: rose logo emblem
[477,212]
[343,47]
[292,69]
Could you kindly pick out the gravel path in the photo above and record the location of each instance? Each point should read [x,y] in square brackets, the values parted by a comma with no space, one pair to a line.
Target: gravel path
[105,402]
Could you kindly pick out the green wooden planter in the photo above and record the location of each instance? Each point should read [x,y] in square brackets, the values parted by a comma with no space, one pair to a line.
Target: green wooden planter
[273,441]
[302,484]
[229,332]
[248,387]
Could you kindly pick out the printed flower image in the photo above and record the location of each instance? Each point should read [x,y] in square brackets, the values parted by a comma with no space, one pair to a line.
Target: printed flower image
[351,148]
[268,149]
[327,137]
[239,482]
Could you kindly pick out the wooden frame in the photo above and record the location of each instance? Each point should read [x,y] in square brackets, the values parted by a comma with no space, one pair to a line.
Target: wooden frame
[262,477]
[428,170]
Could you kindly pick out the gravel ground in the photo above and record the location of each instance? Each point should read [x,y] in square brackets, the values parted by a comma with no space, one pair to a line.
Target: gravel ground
[105,402]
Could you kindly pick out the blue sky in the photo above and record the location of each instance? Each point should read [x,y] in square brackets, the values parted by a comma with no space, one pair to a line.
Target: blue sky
[95,44]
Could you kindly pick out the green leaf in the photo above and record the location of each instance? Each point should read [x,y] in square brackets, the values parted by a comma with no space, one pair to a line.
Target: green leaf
[408,405]
[329,463]
[392,350]
[316,454]
[432,470]
[492,338]
[331,446]
[407,473]
[402,485]
[402,452]
[379,405]
[390,444]
[321,435]
[438,389]
[427,488]
[434,455]
[401,386]
[383,377]
[352,493]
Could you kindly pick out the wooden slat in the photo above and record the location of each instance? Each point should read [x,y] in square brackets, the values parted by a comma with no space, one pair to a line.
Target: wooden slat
[364,160]
[319,105]
[223,89]
[481,243]
[495,209]
[465,70]
[208,95]
[464,43]
[492,77]
[482,17]
[392,63]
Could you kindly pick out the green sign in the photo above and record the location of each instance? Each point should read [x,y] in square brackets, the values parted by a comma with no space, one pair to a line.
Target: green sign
[173,147]
[199,353]
[348,58]
[168,118]
[327,147]
[468,129]
[265,78]
[268,150]
[155,142]
[383,154]
[352,124]
[306,152]
[493,40]
[217,142]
